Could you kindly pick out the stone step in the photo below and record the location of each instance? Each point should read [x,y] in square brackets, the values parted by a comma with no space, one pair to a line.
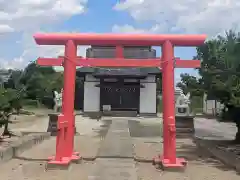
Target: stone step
[120,113]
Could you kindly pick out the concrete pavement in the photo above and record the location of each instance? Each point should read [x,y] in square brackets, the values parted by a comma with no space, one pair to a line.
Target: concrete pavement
[126,138]
[212,129]
[115,156]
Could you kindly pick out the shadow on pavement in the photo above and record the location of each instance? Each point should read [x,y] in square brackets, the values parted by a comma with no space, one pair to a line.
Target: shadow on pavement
[147,142]
[30,159]
[137,129]
[102,131]
[198,156]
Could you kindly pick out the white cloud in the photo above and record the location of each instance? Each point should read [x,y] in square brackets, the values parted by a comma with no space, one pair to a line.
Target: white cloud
[126,29]
[5,29]
[188,16]
[23,15]
[33,51]
[31,55]
[29,16]
[209,17]
[130,29]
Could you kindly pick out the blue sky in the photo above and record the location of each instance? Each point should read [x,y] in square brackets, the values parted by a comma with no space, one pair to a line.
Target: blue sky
[21,19]
[100,17]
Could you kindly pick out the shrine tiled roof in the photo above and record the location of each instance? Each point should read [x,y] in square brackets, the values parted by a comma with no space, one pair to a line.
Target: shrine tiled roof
[138,52]
[119,71]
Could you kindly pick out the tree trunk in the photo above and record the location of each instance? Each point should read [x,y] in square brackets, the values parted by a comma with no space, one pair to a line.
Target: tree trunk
[234,114]
[18,111]
[237,137]
[6,131]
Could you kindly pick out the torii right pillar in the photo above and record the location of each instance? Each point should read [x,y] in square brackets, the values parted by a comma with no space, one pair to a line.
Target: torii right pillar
[169,159]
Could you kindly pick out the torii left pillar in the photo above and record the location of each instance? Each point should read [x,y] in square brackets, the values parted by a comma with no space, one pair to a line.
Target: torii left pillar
[66,120]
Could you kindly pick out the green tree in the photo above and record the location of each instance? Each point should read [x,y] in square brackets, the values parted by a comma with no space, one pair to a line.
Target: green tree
[34,83]
[159,85]
[8,97]
[191,84]
[14,82]
[220,73]
[41,81]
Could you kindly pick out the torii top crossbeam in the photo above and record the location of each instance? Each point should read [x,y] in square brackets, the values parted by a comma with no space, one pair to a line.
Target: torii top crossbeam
[118,39]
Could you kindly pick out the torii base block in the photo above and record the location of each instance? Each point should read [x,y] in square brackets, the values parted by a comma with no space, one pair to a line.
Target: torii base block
[63,163]
[65,160]
[64,144]
[166,164]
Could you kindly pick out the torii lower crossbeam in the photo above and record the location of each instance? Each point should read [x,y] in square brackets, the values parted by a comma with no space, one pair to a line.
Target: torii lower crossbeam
[118,62]
[64,149]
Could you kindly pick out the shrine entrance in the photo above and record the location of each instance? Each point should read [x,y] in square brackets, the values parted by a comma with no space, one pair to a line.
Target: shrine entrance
[120,97]
[66,120]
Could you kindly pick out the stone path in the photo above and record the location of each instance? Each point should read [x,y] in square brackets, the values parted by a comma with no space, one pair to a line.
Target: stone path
[114,168]
[117,143]
[115,157]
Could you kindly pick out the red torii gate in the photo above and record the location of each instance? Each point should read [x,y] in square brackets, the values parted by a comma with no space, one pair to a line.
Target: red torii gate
[66,120]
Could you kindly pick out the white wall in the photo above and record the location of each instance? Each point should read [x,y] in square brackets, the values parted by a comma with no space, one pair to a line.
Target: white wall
[211,107]
[148,95]
[91,102]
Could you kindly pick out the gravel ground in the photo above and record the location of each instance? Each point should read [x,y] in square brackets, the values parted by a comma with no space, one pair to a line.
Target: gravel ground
[212,129]
[196,170]
[21,124]
[35,170]
[30,165]
[200,165]
[37,124]
[21,121]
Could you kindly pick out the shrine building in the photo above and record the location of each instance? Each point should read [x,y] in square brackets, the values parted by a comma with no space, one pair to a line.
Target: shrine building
[120,90]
